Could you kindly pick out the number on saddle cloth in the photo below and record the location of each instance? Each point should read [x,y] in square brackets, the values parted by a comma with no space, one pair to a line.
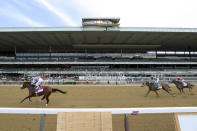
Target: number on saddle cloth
[40,89]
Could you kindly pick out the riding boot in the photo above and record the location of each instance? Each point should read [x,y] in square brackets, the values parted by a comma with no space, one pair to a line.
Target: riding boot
[36,91]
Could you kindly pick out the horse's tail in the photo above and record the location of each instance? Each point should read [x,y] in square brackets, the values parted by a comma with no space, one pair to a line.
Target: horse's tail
[54,90]
[190,85]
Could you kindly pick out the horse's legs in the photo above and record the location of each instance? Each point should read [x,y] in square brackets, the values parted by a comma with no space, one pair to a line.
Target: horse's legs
[156,93]
[43,97]
[30,99]
[166,90]
[169,91]
[179,90]
[25,98]
[169,88]
[190,88]
[182,90]
[147,93]
[47,98]
[47,93]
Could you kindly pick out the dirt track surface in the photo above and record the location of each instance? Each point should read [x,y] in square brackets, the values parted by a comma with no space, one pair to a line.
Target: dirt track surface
[95,97]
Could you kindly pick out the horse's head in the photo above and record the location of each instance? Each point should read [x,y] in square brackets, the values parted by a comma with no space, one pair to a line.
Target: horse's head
[173,81]
[25,85]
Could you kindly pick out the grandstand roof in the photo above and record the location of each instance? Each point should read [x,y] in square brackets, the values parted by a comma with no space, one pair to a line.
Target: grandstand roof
[68,39]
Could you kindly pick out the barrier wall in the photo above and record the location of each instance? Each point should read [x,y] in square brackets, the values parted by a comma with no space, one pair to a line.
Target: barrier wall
[125,111]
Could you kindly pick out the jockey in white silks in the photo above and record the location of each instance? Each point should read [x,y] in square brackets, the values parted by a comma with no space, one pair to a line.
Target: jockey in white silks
[37,81]
[156,81]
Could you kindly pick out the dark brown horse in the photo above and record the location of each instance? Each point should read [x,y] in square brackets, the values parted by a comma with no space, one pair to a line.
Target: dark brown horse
[180,86]
[46,92]
[153,87]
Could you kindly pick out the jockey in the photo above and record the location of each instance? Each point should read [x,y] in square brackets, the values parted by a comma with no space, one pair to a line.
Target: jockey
[36,81]
[156,81]
[181,80]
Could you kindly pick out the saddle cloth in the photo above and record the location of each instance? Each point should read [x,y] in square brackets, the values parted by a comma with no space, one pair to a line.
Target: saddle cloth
[184,83]
[159,86]
[40,89]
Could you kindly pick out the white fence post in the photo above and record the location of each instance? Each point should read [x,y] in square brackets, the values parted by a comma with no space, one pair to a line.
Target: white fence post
[126,123]
[42,122]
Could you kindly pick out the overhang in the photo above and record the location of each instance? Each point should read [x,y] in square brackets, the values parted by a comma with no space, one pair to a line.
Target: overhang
[78,39]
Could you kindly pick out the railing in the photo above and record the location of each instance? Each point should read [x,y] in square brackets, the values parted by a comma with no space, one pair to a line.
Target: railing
[125,111]
[98,82]
[113,110]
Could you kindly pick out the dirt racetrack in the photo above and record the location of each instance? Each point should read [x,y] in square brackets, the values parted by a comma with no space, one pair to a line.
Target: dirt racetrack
[95,97]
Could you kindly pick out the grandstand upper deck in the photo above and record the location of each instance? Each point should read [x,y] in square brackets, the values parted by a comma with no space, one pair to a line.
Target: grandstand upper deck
[111,40]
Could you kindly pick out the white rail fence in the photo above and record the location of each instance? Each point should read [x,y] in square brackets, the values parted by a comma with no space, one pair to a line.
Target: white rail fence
[152,110]
[124,111]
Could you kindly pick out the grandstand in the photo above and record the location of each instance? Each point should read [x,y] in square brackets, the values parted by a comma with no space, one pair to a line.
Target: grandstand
[81,52]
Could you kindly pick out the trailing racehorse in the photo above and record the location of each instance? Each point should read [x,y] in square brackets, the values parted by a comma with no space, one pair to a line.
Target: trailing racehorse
[153,87]
[46,92]
[180,86]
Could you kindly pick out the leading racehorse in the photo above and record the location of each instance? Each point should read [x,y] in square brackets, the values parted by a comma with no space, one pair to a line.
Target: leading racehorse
[180,86]
[46,92]
[153,87]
